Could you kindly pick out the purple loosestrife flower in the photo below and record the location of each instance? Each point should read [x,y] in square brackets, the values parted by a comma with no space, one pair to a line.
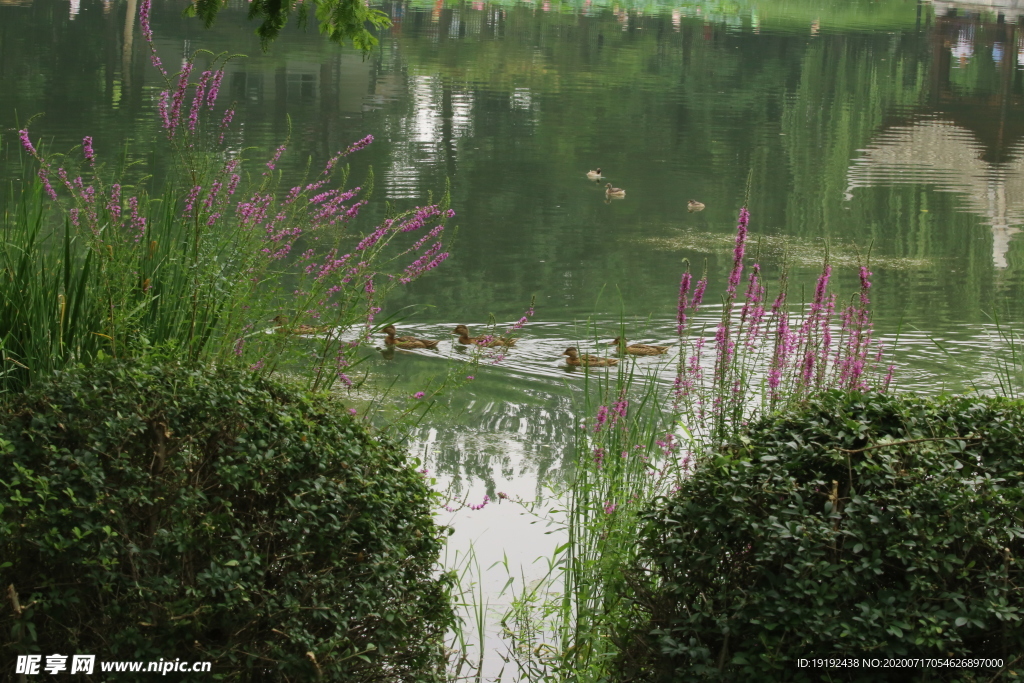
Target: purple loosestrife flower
[258,365]
[272,164]
[423,264]
[698,294]
[138,223]
[211,197]
[481,505]
[752,299]
[191,200]
[197,100]
[211,95]
[114,202]
[826,334]
[609,507]
[87,152]
[602,417]
[147,33]
[225,122]
[865,285]
[418,395]
[737,254]
[358,144]
[44,178]
[669,444]
[421,216]
[372,238]
[233,183]
[521,323]
[618,410]
[821,289]
[684,290]
[63,175]
[26,142]
[437,230]
[599,455]
[162,108]
[179,97]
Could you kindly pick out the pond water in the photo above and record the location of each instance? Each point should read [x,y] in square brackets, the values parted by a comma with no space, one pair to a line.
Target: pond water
[888,126]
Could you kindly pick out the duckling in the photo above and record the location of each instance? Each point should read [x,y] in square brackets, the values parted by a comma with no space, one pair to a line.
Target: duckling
[284,328]
[638,349]
[406,342]
[694,205]
[464,338]
[595,175]
[586,359]
[617,192]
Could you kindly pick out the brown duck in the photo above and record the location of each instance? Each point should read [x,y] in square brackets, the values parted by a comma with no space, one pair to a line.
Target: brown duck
[407,342]
[638,349]
[284,328]
[464,338]
[616,192]
[586,360]
[694,205]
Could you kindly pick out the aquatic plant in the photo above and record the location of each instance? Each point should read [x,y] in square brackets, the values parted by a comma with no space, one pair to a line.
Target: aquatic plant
[643,441]
[203,266]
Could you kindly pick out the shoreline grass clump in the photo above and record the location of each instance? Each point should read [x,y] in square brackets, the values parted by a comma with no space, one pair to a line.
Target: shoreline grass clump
[639,440]
[855,525]
[96,267]
[154,509]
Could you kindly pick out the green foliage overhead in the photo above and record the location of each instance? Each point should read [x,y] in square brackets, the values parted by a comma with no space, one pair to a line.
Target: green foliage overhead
[339,20]
[857,526]
[165,511]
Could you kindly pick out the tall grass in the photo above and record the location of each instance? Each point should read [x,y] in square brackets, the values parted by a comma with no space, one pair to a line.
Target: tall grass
[93,265]
[638,438]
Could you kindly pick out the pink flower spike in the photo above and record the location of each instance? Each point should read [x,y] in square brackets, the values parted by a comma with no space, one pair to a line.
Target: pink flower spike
[27,143]
[87,152]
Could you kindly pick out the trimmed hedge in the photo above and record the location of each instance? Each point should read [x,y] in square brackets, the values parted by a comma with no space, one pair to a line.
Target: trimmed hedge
[857,526]
[165,511]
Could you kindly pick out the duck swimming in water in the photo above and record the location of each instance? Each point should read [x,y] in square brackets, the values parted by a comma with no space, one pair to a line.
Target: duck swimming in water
[638,349]
[488,341]
[616,192]
[595,175]
[407,342]
[586,360]
[694,205]
[284,328]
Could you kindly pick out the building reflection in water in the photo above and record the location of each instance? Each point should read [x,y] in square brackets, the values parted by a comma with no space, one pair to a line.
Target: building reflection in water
[968,137]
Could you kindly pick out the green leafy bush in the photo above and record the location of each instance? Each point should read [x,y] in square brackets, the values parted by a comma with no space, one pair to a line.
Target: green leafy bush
[857,526]
[166,511]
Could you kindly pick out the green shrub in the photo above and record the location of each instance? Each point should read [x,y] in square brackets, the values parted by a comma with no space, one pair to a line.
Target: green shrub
[164,511]
[857,526]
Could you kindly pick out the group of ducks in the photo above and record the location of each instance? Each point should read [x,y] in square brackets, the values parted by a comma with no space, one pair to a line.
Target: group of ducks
[618,193]
[574,357]
[392,341]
